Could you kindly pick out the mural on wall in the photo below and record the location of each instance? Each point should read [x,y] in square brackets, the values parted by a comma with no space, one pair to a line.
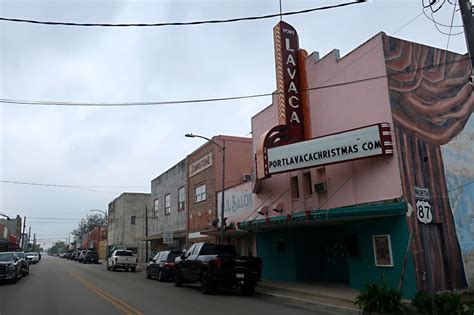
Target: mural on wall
[458,157]
[431,100]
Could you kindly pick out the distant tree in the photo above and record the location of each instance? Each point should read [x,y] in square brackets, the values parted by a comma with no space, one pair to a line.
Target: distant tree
[87,224]
[57,248]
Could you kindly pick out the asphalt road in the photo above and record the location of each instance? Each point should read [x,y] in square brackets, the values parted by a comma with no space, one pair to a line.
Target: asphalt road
[60,286]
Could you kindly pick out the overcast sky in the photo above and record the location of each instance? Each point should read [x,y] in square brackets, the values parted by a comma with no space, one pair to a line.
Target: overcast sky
[110,147]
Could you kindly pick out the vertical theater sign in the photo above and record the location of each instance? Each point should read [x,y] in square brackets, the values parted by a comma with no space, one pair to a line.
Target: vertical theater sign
[289,146]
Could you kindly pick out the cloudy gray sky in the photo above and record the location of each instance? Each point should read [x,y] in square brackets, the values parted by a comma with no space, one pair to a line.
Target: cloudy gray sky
[110,147]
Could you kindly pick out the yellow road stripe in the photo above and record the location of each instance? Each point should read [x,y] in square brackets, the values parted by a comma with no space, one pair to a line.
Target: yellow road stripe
[124,307]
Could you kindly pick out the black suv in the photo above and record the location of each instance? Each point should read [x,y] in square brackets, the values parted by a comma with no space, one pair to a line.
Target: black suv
[10,267]
[91,256]
[25,264]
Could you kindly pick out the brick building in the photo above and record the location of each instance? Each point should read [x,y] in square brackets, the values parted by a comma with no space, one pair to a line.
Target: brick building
[204,181]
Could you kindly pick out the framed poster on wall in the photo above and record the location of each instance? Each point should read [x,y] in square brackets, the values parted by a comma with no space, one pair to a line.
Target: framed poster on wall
[382,250]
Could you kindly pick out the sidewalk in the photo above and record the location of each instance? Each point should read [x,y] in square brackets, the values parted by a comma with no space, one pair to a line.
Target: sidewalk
[327,295]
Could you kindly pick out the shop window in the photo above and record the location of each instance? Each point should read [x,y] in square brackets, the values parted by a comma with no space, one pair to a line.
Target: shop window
[200,193]
[307,185]
[167,204]
[295,192]
[132,220]
[155,208]
[382,250]
[181,198]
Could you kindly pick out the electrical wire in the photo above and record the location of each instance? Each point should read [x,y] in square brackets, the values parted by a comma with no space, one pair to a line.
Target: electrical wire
[67,186]
[122,25]
[155,103]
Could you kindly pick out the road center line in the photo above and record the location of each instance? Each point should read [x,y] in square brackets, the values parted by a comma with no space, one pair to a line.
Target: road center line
[124,307]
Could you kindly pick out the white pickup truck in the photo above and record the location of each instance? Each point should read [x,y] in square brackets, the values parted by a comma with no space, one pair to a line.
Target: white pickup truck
[123,259]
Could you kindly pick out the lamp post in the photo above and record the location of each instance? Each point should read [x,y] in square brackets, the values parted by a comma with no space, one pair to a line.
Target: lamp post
[222,147]
[107,231]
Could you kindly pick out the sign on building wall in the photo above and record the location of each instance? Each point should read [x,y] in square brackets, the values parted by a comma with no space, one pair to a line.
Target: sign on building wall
[423,205]
[238,203]
[345,146]
[290,109]
[200,165]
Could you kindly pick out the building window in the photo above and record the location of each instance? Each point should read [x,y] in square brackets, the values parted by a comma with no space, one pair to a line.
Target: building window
[200,193]
[155,208]
[295,192]
[307,185]
[167,204]
[382,250]
[132,220]
[181,198]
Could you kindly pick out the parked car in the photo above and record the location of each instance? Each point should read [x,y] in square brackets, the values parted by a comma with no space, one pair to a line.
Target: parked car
[10,267]
[75,254]
[123,259]
[162,265]
[81,256]
[91,256]
[218,266]
[32,257]
[25,264]
[68,254]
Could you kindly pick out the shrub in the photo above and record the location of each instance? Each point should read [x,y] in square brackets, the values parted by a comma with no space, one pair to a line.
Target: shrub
[446,303]
[380,297]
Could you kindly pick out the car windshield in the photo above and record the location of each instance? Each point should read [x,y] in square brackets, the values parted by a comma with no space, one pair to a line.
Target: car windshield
[6,257]
[30,254]
[124,253]
[20,255]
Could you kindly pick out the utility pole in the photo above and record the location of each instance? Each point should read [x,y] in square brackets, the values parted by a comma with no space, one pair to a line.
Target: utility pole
[468,21]
[146,233]
[29,235]
[23,234]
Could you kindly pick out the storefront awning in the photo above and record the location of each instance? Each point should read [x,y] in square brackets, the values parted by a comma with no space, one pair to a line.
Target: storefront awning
[327,215]
[232,232]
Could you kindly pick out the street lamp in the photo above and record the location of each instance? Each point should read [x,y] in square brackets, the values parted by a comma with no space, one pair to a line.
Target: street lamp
[190,135]
[106,231]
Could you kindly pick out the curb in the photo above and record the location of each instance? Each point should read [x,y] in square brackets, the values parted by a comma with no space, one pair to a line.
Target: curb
[313,302]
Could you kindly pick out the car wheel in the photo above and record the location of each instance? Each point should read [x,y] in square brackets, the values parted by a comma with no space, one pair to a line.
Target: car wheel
[107,266]
[114,268]
[247,290]
[133,269]
[161,278]
[178,279]
[15,279]
[206,283]
[147,273]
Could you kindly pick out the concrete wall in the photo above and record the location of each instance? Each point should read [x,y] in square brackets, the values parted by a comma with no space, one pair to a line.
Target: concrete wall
[332,110]
[168,183]
[121,232]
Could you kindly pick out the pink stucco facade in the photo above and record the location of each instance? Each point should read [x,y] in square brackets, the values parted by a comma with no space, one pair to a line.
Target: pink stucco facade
[334,109]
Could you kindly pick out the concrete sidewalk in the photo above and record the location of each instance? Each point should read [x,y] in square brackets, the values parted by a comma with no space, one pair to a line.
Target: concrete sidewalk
[328,295]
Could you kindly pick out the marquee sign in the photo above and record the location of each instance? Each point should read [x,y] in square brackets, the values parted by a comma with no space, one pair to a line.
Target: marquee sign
[290,109]
[355,144]
[200,165]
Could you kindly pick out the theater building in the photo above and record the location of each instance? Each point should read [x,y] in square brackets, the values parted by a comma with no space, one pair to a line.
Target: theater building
[350,176]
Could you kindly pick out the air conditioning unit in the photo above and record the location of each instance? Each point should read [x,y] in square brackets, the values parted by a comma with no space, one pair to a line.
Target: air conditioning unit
[320,187]
[247,177]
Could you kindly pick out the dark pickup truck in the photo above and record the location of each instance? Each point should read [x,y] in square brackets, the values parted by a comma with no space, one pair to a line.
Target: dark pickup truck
[218,266]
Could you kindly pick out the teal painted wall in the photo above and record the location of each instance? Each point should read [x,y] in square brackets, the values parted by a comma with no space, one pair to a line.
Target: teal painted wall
[362,270]
[315,254]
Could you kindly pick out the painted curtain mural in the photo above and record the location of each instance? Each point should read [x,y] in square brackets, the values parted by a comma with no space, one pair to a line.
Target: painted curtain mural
[431,100]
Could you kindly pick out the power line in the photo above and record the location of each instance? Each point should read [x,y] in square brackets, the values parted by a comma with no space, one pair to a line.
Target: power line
[122,25]
[451,27]
[77,104]
[68,186]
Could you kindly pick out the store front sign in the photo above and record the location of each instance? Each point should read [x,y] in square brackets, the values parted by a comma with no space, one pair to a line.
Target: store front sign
[355,144]
[200,165]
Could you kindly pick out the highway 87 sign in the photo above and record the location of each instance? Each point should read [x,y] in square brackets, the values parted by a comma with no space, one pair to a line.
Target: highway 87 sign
[167,237]
[423,211]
